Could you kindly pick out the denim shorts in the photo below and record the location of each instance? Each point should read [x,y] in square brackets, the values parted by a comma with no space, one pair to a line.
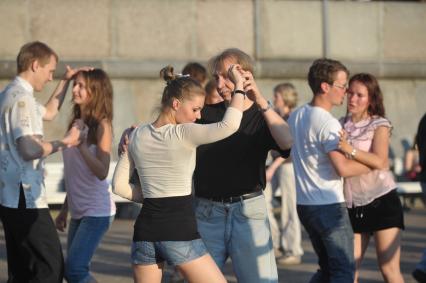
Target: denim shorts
[173,252]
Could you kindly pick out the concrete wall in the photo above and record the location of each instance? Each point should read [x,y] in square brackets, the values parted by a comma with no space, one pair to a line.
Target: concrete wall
[133,39]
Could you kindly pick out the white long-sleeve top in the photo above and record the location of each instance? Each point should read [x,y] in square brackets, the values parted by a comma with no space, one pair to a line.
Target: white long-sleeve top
[165,157]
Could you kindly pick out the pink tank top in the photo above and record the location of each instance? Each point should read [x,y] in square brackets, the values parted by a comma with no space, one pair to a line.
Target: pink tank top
[363,189]
[87,195]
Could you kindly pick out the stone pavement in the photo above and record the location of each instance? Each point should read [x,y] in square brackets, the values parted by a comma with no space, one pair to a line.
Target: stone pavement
[111,261]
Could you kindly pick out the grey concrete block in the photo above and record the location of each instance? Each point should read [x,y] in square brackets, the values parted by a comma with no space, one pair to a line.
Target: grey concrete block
[153,30]
[290,29]
[13,27]
[224,24]
[404,31]
[74,29]
[354,30]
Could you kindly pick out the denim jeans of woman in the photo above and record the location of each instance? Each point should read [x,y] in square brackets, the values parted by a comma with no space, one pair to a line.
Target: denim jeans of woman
[84,236]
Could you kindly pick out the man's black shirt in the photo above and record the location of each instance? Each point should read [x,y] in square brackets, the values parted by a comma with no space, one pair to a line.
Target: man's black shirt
[421,143]
[236,165]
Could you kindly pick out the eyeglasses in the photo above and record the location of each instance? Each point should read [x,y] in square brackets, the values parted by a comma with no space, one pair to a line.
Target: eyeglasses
[344,87]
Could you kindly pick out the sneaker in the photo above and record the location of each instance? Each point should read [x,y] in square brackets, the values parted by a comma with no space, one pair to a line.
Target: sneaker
[290,260]
[419,275]
[278,253]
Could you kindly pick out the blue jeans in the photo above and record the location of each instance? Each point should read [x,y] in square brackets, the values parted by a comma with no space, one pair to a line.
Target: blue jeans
[332,238]
[84,236]
[422,264]
[241,231]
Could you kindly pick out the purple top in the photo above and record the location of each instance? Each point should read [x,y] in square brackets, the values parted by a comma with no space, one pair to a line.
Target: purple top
[87,195]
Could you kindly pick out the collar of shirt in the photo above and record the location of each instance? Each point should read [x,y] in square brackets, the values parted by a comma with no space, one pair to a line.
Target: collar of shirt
[25,84]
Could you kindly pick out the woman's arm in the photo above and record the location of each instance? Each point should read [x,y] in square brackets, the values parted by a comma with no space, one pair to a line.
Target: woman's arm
[61,219]
[378,157]
[54,103]
[99,163]
[198,134]
[120,181]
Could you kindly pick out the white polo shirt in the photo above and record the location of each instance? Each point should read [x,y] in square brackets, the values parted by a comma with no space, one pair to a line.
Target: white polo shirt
[20,115]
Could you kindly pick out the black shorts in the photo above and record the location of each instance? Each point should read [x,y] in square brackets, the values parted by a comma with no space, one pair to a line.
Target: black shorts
[382,213]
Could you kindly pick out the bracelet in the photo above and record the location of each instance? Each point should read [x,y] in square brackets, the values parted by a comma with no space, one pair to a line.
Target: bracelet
[269,106]
[56,146]
[353,153]
[239,91]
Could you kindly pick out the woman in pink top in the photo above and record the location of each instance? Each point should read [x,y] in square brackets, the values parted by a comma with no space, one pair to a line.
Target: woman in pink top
[85,170]
[374,206]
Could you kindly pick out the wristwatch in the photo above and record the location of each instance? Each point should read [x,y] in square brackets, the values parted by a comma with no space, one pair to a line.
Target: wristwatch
[269,106]
[353,153]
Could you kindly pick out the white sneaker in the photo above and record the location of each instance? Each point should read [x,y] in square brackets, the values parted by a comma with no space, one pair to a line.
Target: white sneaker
[290,260]
[278,253]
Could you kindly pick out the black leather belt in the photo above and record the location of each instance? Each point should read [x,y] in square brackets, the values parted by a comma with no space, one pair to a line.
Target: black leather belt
[237,198]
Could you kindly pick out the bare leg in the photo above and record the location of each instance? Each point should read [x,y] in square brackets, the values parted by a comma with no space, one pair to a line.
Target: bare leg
[388,249]
[360,246]
[148,273]
[202,270]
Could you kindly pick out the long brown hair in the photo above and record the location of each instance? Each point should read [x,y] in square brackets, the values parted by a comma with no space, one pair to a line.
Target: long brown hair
[99,105]
[375,96]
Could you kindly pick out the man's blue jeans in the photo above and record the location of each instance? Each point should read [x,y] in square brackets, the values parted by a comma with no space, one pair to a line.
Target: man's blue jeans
[84,236]
[241,231]
[422,264]
[332,238]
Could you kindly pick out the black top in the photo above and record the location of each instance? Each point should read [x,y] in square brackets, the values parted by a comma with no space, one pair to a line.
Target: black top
[166,219]
[421,143]
[236,165]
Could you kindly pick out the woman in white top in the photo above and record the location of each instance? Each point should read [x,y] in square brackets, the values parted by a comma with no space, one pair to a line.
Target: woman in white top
[163,153]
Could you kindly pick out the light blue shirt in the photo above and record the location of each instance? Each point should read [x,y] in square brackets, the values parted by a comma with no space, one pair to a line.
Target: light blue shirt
[20,115]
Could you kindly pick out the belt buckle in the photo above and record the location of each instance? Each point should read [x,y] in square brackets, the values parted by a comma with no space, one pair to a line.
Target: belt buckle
[227,200]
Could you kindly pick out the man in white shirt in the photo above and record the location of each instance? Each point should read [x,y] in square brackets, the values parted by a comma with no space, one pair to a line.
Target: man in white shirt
[33,249]
[318,167]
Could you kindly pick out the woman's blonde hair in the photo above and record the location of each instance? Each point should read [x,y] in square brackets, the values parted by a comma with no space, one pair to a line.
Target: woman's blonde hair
[288,93]
[178,87]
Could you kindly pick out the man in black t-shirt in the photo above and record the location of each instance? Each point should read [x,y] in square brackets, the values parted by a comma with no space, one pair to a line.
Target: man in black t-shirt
[420,272]
[229,177]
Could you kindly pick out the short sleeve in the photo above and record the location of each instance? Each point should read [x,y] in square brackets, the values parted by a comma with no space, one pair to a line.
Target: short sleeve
[382,122]
[26,117]
[330,135]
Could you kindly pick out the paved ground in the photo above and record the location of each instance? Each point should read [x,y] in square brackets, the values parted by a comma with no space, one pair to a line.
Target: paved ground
[111,261]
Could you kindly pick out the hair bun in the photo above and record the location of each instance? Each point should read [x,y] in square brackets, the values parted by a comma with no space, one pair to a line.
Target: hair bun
[167,74]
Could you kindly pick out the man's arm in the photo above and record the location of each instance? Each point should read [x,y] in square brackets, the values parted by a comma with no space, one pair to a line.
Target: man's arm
[346,167]
[378,157]
[279,128]
[32,147]
[54,103]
